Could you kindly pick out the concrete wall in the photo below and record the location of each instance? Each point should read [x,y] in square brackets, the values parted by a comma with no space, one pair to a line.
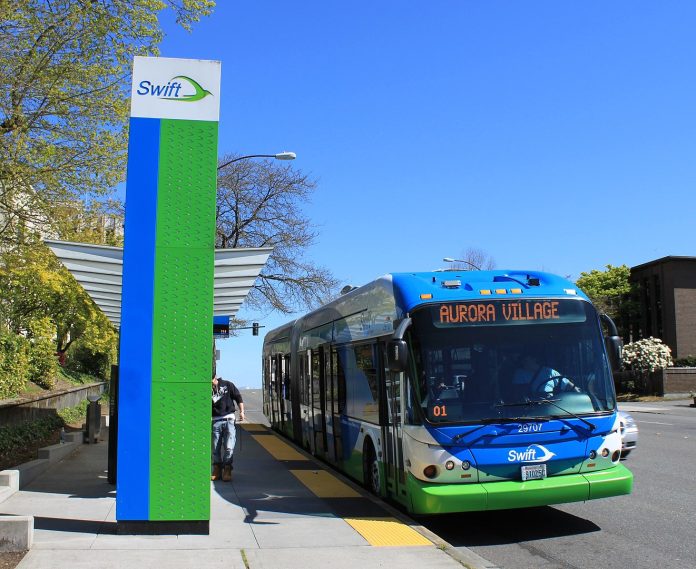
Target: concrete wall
[670,381]
[27,410]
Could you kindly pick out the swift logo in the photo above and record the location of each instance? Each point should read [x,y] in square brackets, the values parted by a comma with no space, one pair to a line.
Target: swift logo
[533,453]
[170,91]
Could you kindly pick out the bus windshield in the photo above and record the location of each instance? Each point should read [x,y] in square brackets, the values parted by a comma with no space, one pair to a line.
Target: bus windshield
[498,360]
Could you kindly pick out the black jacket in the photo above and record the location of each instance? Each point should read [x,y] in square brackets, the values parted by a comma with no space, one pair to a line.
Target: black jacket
[224,397]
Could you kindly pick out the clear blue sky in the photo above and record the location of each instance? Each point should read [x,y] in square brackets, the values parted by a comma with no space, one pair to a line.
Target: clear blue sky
[552,135]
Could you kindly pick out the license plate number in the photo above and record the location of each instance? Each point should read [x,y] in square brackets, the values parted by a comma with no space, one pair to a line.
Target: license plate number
[534,472]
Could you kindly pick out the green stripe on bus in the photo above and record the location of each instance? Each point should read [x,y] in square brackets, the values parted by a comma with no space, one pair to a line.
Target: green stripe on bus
[183,309]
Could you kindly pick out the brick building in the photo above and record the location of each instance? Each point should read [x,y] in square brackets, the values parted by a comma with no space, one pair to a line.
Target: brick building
[666,295]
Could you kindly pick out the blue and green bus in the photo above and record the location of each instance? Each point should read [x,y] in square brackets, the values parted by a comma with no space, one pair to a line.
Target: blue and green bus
[422,387]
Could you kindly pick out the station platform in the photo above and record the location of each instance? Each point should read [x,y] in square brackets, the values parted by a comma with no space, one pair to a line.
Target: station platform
[282,509]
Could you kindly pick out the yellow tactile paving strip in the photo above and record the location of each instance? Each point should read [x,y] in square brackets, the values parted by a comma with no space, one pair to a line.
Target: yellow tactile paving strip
[324,485]
[384,532]
[277,448]
[253,427]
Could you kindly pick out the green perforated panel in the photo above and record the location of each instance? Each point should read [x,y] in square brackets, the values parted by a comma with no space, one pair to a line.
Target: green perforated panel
[180,452]
[187,184]
[182,327]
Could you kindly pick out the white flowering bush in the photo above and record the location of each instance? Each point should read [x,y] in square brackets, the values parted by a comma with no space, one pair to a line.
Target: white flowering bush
[649,354]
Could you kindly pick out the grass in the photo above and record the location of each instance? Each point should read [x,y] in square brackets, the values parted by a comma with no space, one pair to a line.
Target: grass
[76,377]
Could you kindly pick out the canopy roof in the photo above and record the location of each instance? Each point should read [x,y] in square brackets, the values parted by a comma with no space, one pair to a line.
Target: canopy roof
[99,269]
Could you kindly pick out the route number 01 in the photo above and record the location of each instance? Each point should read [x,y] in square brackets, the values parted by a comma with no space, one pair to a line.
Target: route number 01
[440,410]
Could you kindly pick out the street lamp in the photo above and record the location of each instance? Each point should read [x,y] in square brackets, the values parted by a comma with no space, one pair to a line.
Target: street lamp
[451,260]
[279,156]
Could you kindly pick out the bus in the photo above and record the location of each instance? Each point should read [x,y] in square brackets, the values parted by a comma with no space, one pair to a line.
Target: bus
[418,386]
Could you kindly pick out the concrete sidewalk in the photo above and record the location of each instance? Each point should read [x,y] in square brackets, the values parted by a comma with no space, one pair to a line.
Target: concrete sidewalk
[272,515]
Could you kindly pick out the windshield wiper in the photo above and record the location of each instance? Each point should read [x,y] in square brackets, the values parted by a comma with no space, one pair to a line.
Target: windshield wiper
[553,402]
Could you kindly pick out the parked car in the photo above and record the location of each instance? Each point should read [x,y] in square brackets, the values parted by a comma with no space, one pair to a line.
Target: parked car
[629,433]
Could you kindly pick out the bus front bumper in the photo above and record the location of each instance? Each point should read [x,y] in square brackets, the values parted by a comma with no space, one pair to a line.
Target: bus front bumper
[429,498]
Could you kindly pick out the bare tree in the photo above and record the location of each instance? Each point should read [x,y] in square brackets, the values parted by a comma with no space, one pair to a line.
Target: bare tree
[259,204]
[477,258]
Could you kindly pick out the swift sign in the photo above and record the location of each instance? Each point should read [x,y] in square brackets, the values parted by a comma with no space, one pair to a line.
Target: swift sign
[175,88]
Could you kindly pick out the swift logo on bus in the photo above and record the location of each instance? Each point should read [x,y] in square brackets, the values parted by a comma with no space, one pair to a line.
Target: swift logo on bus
[170,90]
[533,453]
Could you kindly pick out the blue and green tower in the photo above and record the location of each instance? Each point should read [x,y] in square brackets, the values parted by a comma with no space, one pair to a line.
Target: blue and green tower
[165,362]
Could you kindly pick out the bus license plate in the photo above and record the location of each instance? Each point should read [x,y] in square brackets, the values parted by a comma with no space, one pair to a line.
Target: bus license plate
[534,472]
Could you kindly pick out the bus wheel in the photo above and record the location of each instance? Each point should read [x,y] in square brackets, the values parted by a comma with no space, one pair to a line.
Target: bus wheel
[371,470]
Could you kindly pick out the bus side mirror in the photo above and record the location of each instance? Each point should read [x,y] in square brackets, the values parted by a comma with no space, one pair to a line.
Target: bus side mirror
[397,355]
[613,344]
[614,350]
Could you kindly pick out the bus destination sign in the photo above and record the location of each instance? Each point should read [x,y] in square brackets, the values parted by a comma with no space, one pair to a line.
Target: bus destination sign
[506,312]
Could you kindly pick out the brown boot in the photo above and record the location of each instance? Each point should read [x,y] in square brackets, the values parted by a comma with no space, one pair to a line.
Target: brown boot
[226,473]
[216,472]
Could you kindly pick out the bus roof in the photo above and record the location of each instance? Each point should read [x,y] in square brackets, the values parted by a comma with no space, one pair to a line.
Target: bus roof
[451,285]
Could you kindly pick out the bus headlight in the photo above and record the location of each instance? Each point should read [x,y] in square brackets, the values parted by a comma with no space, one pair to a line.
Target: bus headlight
[430,471]
[605,452]
[449,465]
[466,465]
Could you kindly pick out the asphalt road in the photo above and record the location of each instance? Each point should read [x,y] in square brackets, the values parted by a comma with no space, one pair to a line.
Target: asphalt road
[655,527]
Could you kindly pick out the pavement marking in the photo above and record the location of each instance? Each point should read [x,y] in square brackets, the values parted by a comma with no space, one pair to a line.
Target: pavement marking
[641,409]
[324,485]
[253,427]
[657,423]
[277,448]
[382,532]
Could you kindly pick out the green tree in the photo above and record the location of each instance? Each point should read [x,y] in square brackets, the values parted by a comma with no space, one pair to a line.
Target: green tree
[36,286]
[610,291]
[64,89]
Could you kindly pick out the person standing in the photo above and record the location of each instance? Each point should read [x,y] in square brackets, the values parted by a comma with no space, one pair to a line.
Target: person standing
[225,395]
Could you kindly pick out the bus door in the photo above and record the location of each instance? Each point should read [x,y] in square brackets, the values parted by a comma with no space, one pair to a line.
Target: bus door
[306,399]
[317,402]
[273,392]
[279,387]
[338,386]
[392,429]
[332,422]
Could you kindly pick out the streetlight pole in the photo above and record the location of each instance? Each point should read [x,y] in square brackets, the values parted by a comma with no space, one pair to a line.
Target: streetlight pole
[279,156]
[451,260]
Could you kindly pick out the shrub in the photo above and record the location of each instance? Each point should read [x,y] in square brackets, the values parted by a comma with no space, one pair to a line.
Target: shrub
[83,360]
[14,364]
[43,365]
[18,436]
[649,354]
[688,361]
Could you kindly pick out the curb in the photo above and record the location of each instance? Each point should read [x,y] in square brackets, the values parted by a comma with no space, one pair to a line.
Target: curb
[16,533]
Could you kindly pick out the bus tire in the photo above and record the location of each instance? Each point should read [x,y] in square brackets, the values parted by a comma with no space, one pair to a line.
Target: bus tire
[371,475]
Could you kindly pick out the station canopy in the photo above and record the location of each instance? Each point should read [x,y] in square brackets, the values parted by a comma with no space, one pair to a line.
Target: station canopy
[99,269]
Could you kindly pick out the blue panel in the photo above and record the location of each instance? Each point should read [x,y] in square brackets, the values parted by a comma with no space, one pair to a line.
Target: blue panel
[135,365]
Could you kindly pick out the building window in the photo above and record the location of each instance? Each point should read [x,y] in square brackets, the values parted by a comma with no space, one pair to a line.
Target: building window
[657,291]
[647,308]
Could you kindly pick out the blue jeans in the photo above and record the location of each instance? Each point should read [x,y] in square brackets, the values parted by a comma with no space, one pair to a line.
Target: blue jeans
[224,438]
